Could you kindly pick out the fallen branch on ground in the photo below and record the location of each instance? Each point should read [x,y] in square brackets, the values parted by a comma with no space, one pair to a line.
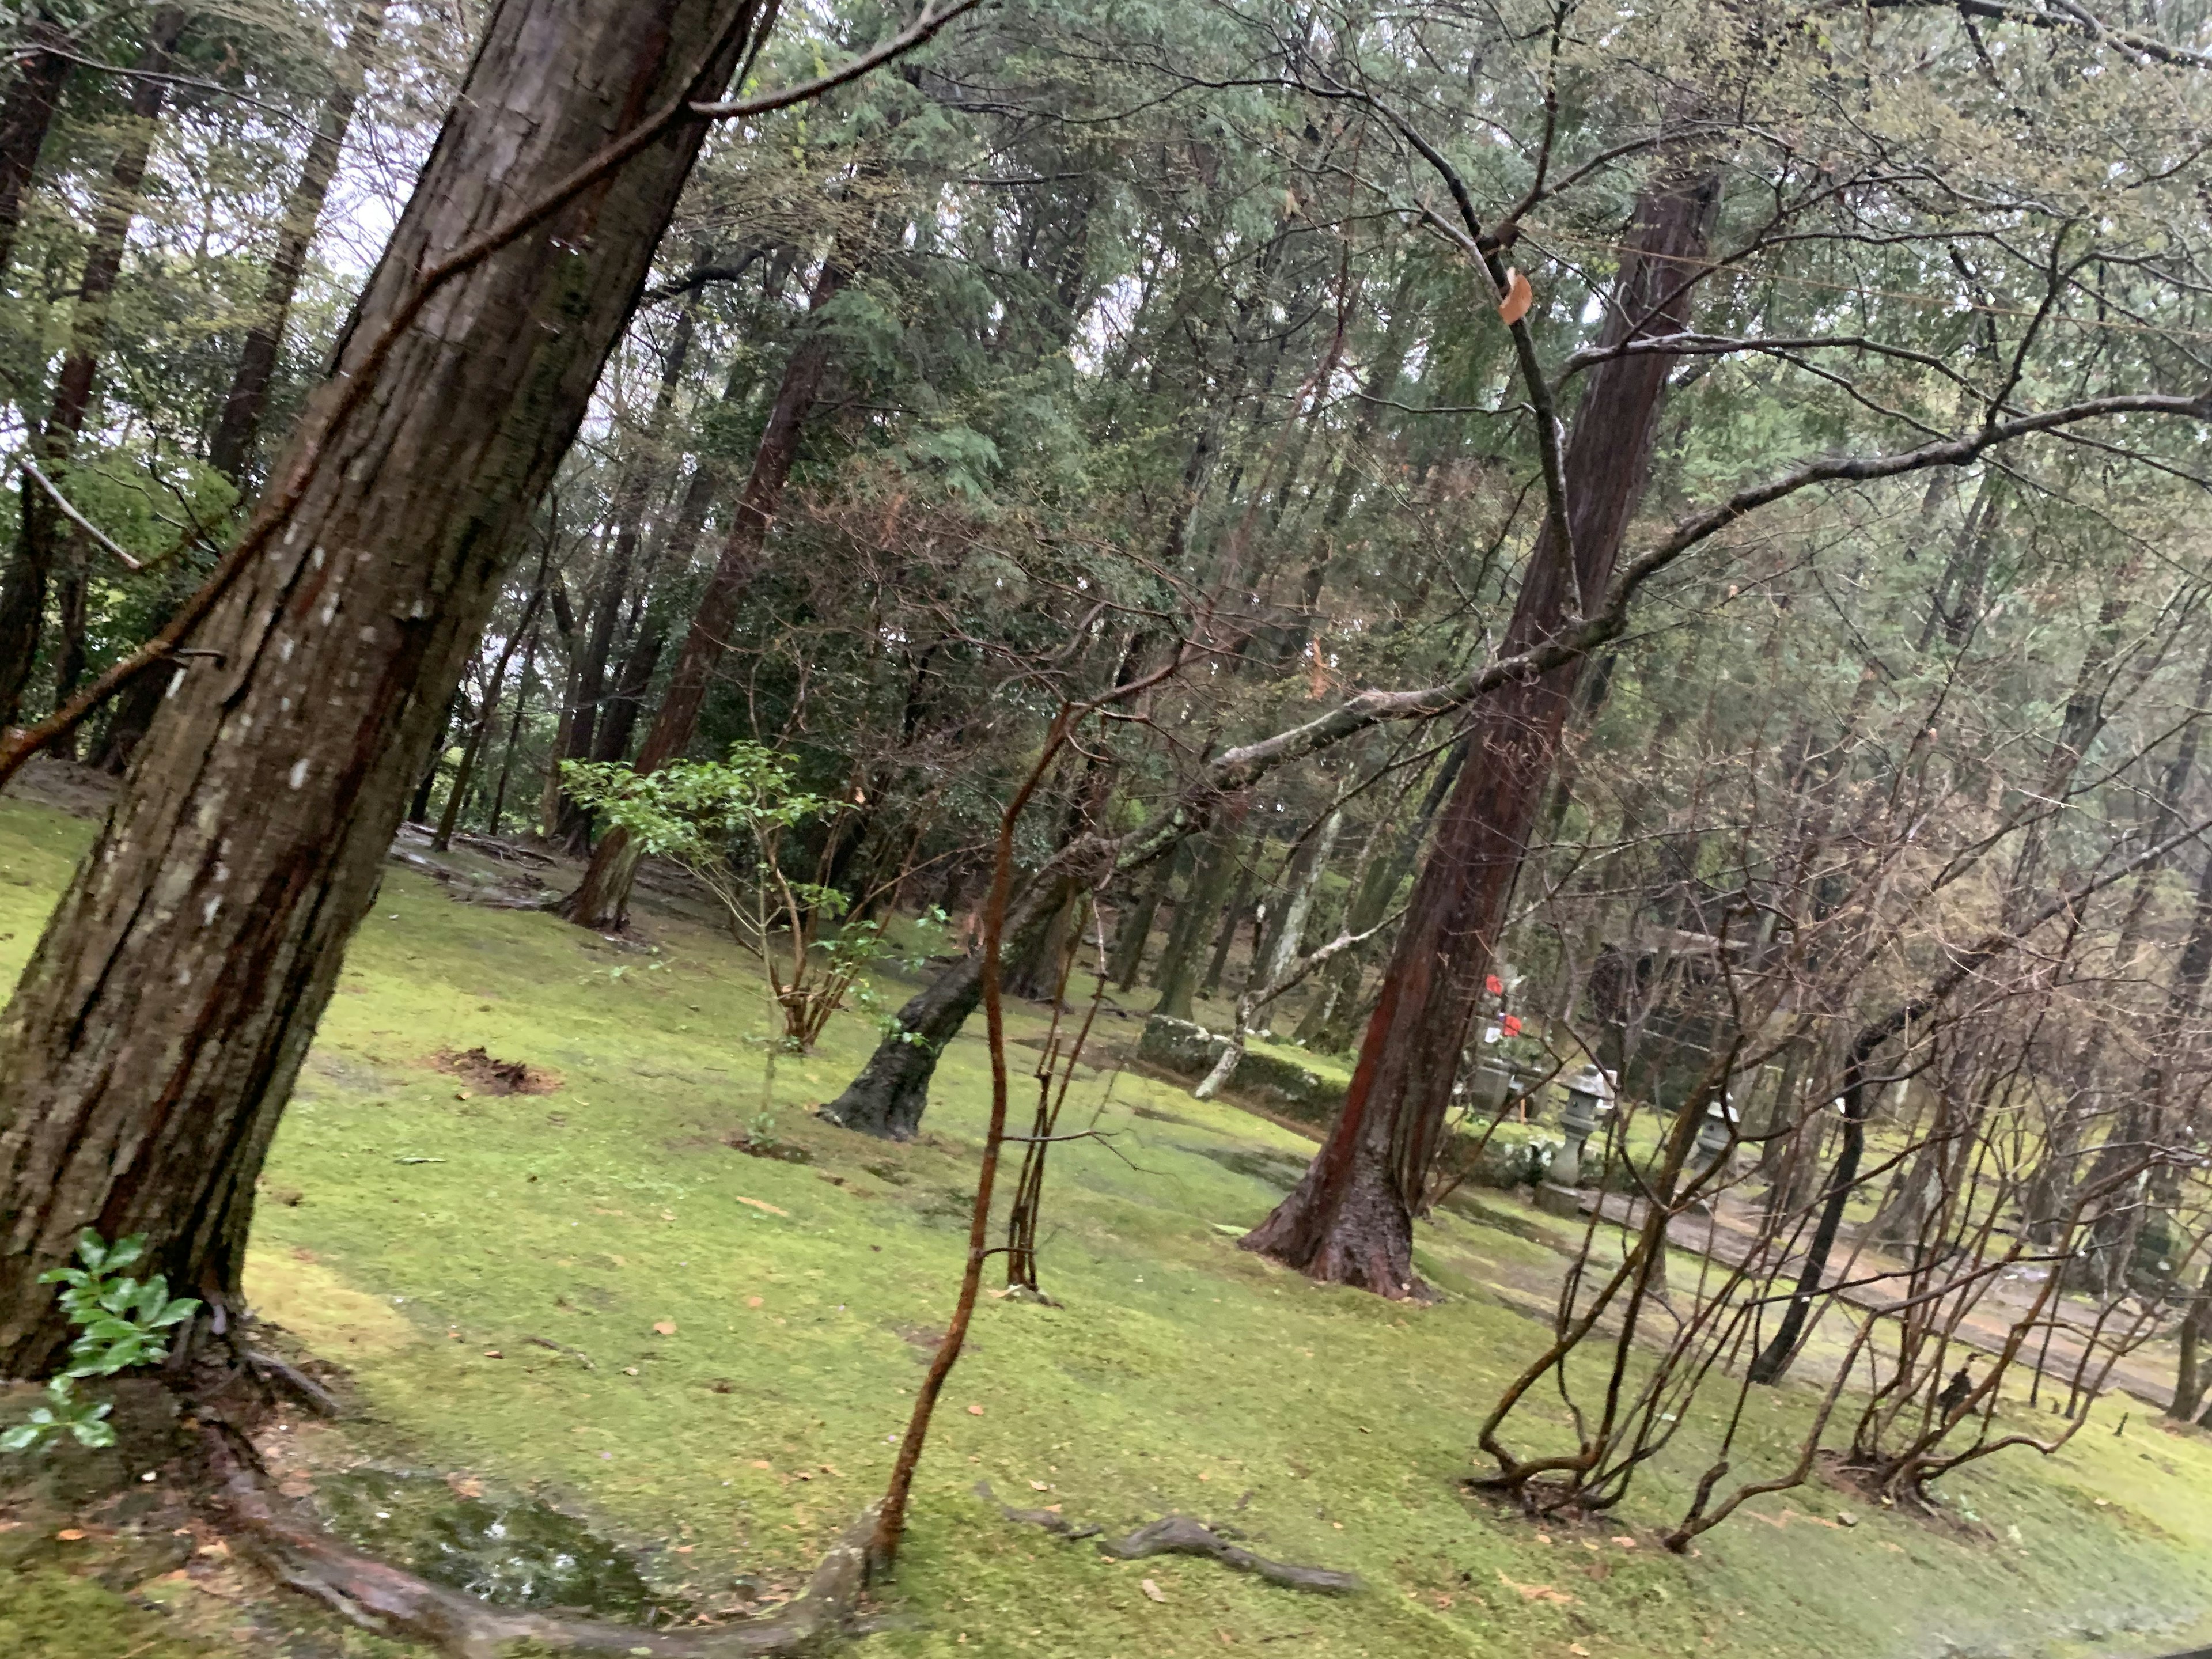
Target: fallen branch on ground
[562,1347]
[1179,1534]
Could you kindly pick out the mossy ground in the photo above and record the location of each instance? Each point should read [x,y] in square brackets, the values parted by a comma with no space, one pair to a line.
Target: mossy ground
[421,1239]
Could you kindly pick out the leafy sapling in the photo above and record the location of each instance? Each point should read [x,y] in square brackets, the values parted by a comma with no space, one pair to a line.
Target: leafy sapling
[122,1322]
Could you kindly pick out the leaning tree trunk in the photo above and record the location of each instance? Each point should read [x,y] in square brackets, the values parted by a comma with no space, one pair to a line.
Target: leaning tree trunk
[1301,882]
[602,896]
[1350,1220]
[40,541]
[231,450]
[892,1093]
[146,1057]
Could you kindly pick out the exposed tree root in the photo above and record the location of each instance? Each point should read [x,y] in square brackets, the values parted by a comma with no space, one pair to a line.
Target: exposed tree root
[1179,1534]
[1051,1520]
[311,1394]
[382,1598]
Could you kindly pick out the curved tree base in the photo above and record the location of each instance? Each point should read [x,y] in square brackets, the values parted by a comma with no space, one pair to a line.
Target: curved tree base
[888,1096]
[1352,1230]
[892,1091]
[382,1598]
[601,898]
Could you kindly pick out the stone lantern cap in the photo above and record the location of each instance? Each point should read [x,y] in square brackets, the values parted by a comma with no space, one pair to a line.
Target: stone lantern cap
[1600,1086]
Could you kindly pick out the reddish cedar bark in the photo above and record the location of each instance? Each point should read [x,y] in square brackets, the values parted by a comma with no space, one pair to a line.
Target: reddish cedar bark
[1350,1220]
[147,1054]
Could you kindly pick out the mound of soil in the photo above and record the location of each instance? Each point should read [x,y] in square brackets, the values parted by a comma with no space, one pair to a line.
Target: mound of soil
[495,1077]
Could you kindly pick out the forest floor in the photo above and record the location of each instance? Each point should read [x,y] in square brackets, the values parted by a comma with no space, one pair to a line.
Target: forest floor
[584,1301]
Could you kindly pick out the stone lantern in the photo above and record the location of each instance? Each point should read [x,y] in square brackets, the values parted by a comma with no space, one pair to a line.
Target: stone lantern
[1589,1095]
[1713,1136]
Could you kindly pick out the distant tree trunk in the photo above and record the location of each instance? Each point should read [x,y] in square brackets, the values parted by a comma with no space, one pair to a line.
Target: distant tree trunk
[2146,1111]
[418,804]
[39,539]
[147,1052]
[25,115]
[550,796]
[231,450]
[1350,1220]
[1232,923]
[1135,930]
[1176,974]
[602,897]
[619,722]
[2191,1374]
[513,731]
[1301,882]
[590,704]
[450,819]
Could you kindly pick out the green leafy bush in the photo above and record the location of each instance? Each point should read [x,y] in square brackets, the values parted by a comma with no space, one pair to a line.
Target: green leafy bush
[122,1322]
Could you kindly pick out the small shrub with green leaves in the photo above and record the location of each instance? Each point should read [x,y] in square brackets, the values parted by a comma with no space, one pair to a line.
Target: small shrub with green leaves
[727,822]
[122,1322]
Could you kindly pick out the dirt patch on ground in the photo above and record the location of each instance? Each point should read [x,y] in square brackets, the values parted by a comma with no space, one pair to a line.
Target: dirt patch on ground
[489,1075]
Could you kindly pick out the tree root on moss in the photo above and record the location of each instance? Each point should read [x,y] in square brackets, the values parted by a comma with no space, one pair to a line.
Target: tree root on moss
[382,1598]
[268,1368]
[1179,1534]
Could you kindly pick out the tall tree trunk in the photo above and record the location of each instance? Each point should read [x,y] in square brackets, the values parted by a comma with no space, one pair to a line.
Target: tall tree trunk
[147,1052]
[231,452]
[418,804]
[590,705]
[38,545]
[618,722]
[1232,922]
[26,114]
[2146,1113]
[550,796]
[1176,975]
[2192,1376]
[1135,931]
[513,733]
[602,897]
[1302,881]
[1350,1220]
[450,819]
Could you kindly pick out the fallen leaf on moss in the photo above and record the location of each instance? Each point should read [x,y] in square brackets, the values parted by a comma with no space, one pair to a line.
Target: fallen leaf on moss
[1535,1592]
